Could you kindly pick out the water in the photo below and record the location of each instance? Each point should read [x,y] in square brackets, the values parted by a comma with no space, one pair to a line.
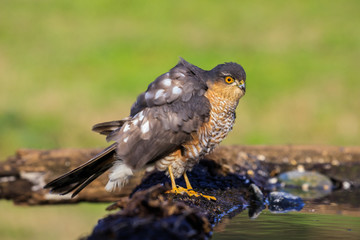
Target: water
[329,218]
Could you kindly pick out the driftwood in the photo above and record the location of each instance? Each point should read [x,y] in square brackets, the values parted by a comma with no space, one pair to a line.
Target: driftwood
[22,176]
[233,174]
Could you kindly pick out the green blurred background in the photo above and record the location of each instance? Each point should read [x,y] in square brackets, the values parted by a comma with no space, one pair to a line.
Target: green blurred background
[66,65]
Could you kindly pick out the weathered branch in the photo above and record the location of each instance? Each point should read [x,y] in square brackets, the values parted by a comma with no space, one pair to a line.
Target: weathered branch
[22,176]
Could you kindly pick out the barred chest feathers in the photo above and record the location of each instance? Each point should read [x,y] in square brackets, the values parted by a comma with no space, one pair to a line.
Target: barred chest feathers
[221,121]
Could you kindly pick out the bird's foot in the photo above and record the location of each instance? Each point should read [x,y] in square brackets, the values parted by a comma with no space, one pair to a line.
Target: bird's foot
[190,192]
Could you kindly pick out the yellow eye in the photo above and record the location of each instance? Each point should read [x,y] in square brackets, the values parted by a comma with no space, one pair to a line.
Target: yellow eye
[229,80]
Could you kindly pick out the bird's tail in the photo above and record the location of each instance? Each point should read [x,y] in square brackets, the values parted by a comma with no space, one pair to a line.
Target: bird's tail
[80,177]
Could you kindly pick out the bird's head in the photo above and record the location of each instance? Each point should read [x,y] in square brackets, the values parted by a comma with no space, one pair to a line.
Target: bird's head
[228,80]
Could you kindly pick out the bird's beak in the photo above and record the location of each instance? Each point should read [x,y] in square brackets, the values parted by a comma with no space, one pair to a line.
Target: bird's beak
[241,85]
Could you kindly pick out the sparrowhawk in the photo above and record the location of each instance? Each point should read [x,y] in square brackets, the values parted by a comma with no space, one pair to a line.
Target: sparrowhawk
[182,116]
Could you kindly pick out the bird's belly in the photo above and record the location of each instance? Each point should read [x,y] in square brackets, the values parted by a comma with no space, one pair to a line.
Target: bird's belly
[203,142]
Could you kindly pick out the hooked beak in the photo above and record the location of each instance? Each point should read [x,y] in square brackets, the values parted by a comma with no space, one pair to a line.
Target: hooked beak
[241,85]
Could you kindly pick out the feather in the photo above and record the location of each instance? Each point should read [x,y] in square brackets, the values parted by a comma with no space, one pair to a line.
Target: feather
[106,128]
[80,177]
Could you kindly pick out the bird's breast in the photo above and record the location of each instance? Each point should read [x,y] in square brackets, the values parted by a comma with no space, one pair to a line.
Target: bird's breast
[205,139]
[212,132]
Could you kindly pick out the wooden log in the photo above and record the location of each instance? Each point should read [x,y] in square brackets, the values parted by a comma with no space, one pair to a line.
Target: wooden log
[23,176]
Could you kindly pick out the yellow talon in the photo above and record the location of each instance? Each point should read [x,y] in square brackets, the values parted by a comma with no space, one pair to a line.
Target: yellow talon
[188,190]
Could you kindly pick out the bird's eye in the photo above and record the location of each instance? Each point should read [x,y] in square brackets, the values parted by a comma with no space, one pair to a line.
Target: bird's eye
[229,80]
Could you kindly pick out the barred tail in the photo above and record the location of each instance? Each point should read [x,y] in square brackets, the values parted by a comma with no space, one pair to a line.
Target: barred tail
[80,177]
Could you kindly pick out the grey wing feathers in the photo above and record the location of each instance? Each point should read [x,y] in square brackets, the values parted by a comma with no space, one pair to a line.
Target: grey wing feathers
[156,132]
[181,82]
[162,118]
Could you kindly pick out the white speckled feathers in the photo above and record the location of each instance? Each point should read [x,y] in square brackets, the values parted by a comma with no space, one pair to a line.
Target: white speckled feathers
[181,83]
[163,117]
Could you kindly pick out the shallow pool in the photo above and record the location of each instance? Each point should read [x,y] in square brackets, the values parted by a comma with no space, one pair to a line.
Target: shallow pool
[336,216]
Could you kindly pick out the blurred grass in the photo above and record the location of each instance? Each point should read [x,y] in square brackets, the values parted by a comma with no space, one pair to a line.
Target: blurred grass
[47,222]
[66,65]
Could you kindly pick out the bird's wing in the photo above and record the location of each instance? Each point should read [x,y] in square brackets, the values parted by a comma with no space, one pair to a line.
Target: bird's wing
[180,83]
[106,128]
[163,117]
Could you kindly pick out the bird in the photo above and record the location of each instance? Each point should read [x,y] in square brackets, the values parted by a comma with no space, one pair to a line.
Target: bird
[181,117]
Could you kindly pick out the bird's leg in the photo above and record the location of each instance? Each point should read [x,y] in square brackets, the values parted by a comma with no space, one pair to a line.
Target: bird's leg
[191,192]
[188,185]
[174,189]
[188,190]
[173,184]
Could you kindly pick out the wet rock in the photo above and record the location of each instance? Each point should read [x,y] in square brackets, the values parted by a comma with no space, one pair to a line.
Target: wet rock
[256,195]
[310,194]
[309,185]
[256,201]
[282,202]
[254,211]
[305,180]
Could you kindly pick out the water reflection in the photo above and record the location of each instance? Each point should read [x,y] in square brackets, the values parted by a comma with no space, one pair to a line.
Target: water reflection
[277,202]
[303,225]
[336,216]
